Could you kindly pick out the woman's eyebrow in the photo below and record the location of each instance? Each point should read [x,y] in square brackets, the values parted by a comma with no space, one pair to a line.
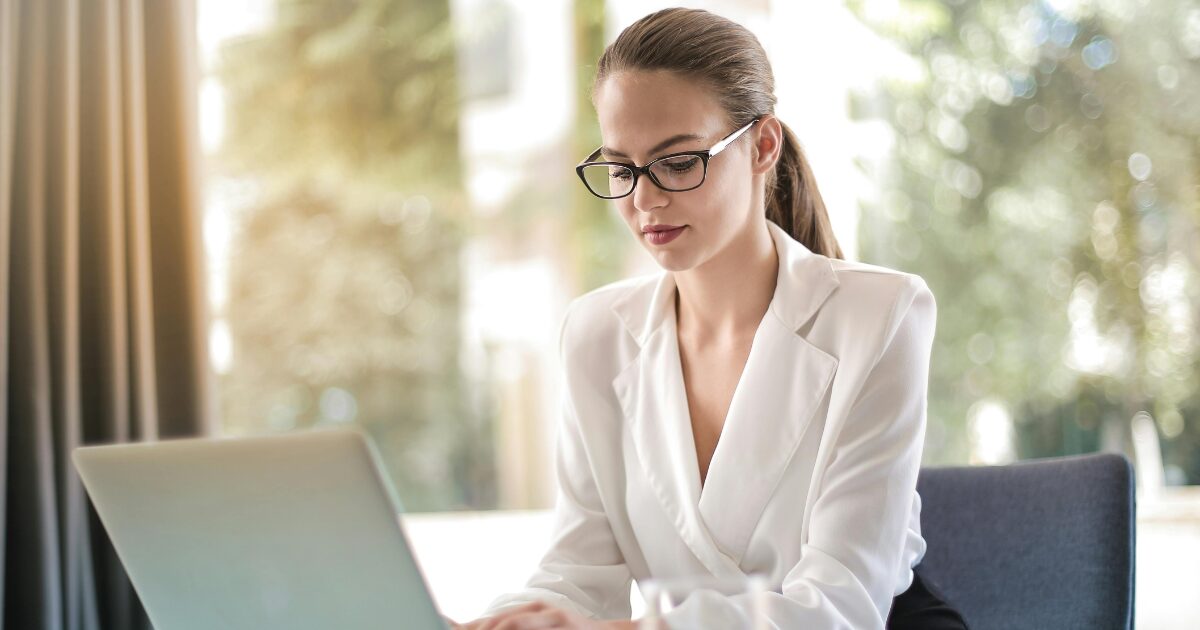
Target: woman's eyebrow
[676,139]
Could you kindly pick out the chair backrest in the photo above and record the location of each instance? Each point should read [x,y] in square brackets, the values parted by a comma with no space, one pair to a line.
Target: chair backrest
[1043,543]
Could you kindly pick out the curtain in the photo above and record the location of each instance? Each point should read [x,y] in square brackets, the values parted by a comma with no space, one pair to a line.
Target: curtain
[102,316]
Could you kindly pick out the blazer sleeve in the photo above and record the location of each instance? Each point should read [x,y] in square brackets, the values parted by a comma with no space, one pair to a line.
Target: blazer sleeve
[847,573]
[583,570]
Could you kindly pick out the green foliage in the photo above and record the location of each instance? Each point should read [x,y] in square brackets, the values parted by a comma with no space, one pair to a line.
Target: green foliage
[551,205]
[599,240]
[344,277]
[347,90]
[1046,183]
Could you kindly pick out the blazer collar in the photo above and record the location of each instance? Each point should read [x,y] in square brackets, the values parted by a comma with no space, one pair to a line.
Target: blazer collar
[805,281]
[782,387]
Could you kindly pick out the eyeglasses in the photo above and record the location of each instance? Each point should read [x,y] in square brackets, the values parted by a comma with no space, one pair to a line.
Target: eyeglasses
[676,172]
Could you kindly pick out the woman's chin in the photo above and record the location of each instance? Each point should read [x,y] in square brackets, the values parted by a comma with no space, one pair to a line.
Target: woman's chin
[673,260]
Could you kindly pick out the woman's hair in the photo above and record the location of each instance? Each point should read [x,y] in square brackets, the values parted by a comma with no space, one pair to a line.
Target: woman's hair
[730,61]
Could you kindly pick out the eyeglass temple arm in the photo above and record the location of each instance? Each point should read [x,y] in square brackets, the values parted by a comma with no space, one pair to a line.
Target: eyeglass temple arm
[591,156]
[716,148]
[720,146]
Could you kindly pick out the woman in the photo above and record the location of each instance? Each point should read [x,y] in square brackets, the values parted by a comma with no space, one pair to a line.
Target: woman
[759,407]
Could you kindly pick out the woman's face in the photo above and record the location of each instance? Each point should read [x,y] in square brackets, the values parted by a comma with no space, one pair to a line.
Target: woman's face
[640,112]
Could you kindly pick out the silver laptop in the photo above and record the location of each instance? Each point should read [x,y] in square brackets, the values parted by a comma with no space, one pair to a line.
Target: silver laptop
[292,531]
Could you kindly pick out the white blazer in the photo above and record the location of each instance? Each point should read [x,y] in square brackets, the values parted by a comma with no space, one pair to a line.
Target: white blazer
[813,480]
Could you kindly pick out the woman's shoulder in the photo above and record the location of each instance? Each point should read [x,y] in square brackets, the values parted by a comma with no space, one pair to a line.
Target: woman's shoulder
[870,285]
[590,317]
[874,302]
[855,269]
[604,297]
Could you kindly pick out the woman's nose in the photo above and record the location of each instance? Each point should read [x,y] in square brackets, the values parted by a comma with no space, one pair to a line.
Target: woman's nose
[647,196]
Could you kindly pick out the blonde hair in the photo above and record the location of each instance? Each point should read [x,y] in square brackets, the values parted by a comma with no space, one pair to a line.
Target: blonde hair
[731,61]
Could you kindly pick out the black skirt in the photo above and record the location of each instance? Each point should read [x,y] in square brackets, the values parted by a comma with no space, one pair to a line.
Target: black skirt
[922,607]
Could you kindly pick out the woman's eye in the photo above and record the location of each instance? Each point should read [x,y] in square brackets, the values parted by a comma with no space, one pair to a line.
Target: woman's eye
[619,173]
[683,166]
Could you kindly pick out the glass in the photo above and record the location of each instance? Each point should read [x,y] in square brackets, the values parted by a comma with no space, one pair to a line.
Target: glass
[680,603]
[676,172]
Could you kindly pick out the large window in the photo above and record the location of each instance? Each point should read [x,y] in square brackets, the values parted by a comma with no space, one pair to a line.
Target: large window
[394,227]
[1043,177]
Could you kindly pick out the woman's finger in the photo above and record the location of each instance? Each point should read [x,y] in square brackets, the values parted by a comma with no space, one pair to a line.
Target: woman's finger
[498,621]
[539,620]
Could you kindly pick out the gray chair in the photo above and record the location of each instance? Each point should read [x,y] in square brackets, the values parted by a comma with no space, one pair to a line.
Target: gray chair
[1038,544]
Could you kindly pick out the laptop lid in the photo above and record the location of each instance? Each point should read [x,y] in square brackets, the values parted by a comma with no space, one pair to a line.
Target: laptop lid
[292,531]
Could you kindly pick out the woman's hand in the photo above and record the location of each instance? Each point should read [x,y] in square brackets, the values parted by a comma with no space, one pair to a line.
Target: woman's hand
[540,615]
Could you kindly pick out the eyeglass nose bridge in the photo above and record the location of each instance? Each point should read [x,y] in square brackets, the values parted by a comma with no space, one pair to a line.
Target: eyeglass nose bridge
[638,172]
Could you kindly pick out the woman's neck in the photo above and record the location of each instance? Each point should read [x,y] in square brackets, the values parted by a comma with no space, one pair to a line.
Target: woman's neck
[725,298]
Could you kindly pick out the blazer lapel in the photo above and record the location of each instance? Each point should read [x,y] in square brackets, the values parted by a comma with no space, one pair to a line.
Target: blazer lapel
[782,385]
[650,390]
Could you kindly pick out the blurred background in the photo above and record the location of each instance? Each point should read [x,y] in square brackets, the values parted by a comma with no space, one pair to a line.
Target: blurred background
[393,229]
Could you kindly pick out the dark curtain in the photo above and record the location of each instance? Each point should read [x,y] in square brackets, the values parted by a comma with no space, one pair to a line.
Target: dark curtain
[102,316]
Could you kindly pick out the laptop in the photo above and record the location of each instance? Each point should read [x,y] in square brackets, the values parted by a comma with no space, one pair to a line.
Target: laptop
[292,531]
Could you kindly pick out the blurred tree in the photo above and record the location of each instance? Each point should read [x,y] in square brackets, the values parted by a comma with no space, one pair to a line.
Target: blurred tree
[1045,180]
[599,239]
[342,120]
[550,211]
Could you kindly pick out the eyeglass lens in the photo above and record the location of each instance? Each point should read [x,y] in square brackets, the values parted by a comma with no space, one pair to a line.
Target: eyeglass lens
[679,173]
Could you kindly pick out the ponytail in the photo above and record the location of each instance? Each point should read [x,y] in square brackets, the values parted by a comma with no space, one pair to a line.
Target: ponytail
[795,204]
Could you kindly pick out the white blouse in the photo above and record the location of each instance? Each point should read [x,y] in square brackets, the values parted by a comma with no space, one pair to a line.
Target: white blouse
[812,483]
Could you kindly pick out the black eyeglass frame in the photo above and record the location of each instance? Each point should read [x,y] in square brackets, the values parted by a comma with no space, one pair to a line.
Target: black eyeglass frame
[638,171]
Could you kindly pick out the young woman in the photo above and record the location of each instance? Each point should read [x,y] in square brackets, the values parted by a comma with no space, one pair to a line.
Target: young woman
[759,407]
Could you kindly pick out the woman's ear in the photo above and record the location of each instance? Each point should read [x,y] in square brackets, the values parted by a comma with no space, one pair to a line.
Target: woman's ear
[768,144]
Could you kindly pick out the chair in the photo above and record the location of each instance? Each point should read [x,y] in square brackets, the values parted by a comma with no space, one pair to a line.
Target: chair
[1040,544]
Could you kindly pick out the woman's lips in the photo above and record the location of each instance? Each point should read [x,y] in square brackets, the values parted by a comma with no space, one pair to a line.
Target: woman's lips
[662,234]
